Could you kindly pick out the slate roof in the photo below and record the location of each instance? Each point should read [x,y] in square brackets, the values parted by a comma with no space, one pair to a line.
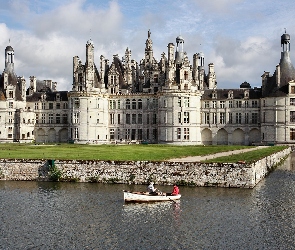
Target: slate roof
[222,94]
[50,96]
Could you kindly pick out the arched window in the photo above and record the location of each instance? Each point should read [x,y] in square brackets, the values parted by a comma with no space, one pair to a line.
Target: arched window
[139,104]
[127,104]
[133,104]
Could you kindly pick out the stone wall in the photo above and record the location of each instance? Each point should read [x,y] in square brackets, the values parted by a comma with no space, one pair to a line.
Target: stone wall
[141,172]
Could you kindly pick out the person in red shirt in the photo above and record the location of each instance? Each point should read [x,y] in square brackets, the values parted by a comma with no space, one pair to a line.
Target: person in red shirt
[175,190]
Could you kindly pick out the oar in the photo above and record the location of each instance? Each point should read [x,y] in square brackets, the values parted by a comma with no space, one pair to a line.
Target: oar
[167,196]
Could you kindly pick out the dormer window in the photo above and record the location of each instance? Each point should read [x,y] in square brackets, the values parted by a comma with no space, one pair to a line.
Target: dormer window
[230,94]
[214,94]
[246,94]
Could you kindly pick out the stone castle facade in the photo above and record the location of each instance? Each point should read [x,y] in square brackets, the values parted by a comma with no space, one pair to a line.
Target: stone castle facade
[170,101]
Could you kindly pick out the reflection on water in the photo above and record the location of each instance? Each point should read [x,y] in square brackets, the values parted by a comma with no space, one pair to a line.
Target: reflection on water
[44,215]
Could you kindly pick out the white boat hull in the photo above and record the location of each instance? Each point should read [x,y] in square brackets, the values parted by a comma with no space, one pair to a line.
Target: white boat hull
[146,197]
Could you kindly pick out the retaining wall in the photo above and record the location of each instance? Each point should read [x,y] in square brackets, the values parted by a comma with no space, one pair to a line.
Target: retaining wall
[141,172]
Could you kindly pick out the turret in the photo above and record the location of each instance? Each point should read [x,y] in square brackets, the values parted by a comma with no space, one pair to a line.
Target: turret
[9,59]
[179,55]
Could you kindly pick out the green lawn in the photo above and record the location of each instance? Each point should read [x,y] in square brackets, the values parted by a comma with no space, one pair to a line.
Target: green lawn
[249,156]
[107,152]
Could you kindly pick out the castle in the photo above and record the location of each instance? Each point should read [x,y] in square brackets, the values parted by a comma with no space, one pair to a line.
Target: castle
[170,101]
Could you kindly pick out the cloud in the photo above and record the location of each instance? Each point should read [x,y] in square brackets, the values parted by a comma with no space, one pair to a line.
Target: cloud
[46,48]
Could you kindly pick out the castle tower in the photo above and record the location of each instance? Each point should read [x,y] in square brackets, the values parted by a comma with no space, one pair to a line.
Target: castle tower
[179,54]
[9,59]
[89,64]
[285,71]
[148,49]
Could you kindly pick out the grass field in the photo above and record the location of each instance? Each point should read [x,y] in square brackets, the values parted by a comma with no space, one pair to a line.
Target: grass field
[107,152]
[249,156]
[126,152]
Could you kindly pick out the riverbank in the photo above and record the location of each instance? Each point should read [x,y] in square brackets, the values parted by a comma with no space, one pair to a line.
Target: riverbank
[193,173]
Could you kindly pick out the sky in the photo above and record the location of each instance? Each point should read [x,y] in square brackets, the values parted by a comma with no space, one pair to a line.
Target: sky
[241,37]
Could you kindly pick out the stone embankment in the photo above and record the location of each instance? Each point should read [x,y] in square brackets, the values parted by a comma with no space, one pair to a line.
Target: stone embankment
[141,172]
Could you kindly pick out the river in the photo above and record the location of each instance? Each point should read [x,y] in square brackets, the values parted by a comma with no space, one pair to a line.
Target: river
[48,215]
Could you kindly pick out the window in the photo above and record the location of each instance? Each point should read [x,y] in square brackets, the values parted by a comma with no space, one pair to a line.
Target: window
[230,118]
[238,104]
[133,134]
[147,119]
[254,118]
[156,78]
[206,104]
[186,101]
[185,75]
[179,133]
[165,103]
[292,101]
[155,134]
[37,118]
[43,118]
[127,118]
[292,89]
[154,118]
[10,105]
[254,104]
[50,118]
[207,118]
[246,104]
[246,118]
[76,136]
[139,134]
[112,134]
[214,121]
[50,105]
[222,104]
[58,105]
[36,105]
[222,118]
[230,104]
[76,118]
[292,134]
[185,117]
[139,119]
[292,116]
[238,118]
[179,101]
[76,103]
[10,94]
[139,104]
[127,134]
[65,118]
[43,105]
[133,118]
[112,118]
[186,133]
[133,104]
[65,106]
[179,117]
[214,104]
[119,118]
[119,104]
[112,104]
[127,104]
[57,118]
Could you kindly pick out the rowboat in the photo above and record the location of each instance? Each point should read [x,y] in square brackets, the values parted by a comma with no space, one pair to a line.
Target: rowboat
[146,197]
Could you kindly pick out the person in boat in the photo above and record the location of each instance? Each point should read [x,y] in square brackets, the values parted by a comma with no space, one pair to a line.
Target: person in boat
[151,189]
[175,190]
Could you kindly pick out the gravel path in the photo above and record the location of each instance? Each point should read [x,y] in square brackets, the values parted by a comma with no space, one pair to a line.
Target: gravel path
[208,157]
